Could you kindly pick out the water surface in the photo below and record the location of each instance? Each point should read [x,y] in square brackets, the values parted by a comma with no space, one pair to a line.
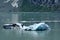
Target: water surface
[17,34]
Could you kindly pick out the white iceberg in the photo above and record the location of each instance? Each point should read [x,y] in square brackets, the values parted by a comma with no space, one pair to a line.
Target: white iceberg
[34,27]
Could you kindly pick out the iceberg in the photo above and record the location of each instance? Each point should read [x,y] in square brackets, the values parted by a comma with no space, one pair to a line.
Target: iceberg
[34,27]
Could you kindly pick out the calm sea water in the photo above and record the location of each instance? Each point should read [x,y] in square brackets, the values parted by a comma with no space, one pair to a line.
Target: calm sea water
[17,34]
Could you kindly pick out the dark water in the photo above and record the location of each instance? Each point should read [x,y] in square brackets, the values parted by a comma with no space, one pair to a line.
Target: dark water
[17,34]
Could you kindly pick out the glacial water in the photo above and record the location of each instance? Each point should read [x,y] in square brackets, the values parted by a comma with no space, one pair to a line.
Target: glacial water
[17,34]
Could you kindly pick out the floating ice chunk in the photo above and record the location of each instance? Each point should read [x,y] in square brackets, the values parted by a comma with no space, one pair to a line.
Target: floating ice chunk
[34,27]
[14,3]
[38,27]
